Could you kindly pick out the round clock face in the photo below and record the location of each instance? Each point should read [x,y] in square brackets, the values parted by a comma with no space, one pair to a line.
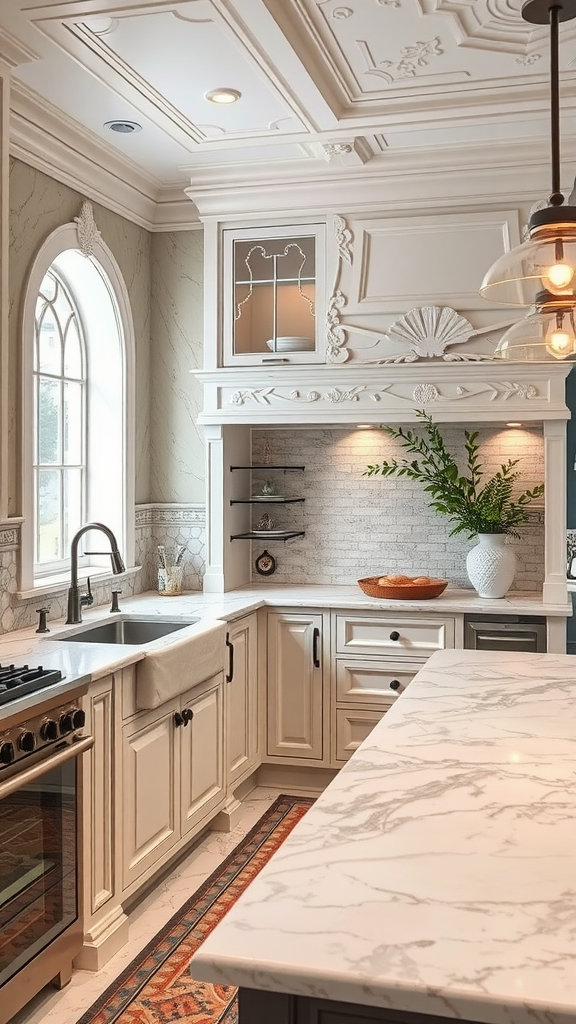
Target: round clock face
[265,564]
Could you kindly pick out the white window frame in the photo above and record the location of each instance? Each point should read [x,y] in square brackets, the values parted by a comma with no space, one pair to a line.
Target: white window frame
[62,239]
[50,568]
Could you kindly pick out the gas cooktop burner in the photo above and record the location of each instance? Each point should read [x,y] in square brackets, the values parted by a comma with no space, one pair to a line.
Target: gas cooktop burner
[18,681]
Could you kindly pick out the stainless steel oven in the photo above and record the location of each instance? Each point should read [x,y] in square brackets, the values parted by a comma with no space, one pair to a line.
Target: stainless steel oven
[505,633]
[41,749]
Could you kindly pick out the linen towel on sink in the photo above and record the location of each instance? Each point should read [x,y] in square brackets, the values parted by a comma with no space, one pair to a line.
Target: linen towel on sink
[173,666]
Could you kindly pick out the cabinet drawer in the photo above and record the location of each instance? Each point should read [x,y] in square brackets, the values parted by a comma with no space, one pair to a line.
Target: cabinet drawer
[352,727]
[367,681]
[403,636]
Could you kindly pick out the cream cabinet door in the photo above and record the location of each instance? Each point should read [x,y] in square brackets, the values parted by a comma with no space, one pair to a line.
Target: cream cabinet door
[151,791]
[241,694]
[202,751]
[295,682]
[99,804]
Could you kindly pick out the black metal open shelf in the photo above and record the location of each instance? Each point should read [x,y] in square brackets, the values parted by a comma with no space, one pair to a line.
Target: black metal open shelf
[274,536]
[264,466]
[268,501]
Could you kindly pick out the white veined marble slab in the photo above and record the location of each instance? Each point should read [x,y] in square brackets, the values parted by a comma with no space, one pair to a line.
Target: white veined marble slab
[437,873]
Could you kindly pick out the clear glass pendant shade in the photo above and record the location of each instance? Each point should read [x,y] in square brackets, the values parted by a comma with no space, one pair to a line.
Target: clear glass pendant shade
[544,336]
[542,263]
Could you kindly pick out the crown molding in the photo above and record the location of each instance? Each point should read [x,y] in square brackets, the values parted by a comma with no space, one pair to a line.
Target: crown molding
[14,52]
[48,140]
[44,137]
[175,211]
[509,172]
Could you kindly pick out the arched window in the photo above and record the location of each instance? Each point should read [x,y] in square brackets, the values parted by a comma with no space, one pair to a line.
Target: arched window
[78,403]
[59,458]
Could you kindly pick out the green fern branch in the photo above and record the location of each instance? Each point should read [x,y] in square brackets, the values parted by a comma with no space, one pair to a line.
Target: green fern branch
[474,506]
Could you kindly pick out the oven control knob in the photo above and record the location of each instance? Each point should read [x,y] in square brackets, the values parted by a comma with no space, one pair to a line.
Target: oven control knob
[49,730]
[78,718]
[27,742]
[66,723]
[6,752]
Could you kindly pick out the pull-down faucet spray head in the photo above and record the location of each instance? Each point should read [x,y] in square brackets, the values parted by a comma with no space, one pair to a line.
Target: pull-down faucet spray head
[75,600]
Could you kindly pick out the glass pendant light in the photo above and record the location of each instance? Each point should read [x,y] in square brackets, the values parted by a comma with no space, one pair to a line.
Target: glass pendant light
[547,334]
[546,263]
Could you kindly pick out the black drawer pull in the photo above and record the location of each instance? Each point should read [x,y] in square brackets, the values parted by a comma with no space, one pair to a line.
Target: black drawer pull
[394,635]
[395,684]
[315,639]
[230,647]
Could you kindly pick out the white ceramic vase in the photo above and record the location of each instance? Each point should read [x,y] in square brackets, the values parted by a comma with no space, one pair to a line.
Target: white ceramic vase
[491,565]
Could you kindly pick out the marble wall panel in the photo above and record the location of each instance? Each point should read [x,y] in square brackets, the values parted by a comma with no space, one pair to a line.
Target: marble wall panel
[177,443]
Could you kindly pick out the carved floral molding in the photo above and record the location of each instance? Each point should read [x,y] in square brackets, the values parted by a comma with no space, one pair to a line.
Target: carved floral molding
[422,393]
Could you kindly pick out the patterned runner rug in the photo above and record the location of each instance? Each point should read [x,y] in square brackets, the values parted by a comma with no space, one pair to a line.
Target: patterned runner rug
[156,988]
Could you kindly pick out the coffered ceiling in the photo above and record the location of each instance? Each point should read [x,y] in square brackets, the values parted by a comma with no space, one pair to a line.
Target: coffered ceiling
[324,84]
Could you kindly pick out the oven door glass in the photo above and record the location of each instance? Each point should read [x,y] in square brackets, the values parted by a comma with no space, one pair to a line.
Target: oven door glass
[38,888]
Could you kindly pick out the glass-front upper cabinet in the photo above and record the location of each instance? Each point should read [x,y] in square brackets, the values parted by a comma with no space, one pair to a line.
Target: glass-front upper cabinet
[274,308]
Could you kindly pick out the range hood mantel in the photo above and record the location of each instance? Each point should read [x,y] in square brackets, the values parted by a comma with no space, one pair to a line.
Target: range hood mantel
[374,394]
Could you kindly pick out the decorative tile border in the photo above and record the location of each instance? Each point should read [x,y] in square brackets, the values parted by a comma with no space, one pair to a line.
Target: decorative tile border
[170,514]
[10,533]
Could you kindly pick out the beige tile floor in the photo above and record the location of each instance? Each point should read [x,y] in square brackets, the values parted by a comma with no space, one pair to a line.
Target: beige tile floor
[146,919]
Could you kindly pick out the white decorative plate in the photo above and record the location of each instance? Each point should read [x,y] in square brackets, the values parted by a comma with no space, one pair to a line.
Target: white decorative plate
[292,344]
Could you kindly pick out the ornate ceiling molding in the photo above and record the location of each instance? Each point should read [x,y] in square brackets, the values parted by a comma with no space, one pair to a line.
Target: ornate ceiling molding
[486,24]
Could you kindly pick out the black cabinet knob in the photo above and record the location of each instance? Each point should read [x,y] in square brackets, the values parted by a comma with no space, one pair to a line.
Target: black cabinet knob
[6,753]
[27,742]
[49,730]
[187,715]
[178,720]
[394,684]
[394,635]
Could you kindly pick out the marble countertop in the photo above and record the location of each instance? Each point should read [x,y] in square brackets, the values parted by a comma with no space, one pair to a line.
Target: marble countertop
[436,873]
[239,602]
[92,661]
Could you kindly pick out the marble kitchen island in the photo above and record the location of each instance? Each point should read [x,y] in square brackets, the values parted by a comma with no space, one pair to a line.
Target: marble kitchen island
[436,875]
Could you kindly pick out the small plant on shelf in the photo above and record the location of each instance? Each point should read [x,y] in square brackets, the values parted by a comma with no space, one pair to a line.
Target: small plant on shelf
[474,505]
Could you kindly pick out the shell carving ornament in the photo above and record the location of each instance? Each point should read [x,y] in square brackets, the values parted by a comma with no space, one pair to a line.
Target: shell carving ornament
[428,332]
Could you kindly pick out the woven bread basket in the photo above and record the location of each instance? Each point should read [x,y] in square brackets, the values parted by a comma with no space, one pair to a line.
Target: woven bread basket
[408,591]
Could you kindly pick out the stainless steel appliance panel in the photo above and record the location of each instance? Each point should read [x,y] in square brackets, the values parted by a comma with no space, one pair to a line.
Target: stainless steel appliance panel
[505,633]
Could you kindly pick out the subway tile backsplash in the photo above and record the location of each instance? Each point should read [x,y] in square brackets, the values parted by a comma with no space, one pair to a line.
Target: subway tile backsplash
[357,526]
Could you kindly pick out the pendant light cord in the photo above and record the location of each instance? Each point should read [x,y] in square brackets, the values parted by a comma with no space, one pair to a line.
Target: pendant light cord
[556,198]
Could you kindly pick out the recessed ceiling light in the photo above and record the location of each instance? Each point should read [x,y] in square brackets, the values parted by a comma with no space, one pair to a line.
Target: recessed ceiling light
[223,95]
[123,127]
